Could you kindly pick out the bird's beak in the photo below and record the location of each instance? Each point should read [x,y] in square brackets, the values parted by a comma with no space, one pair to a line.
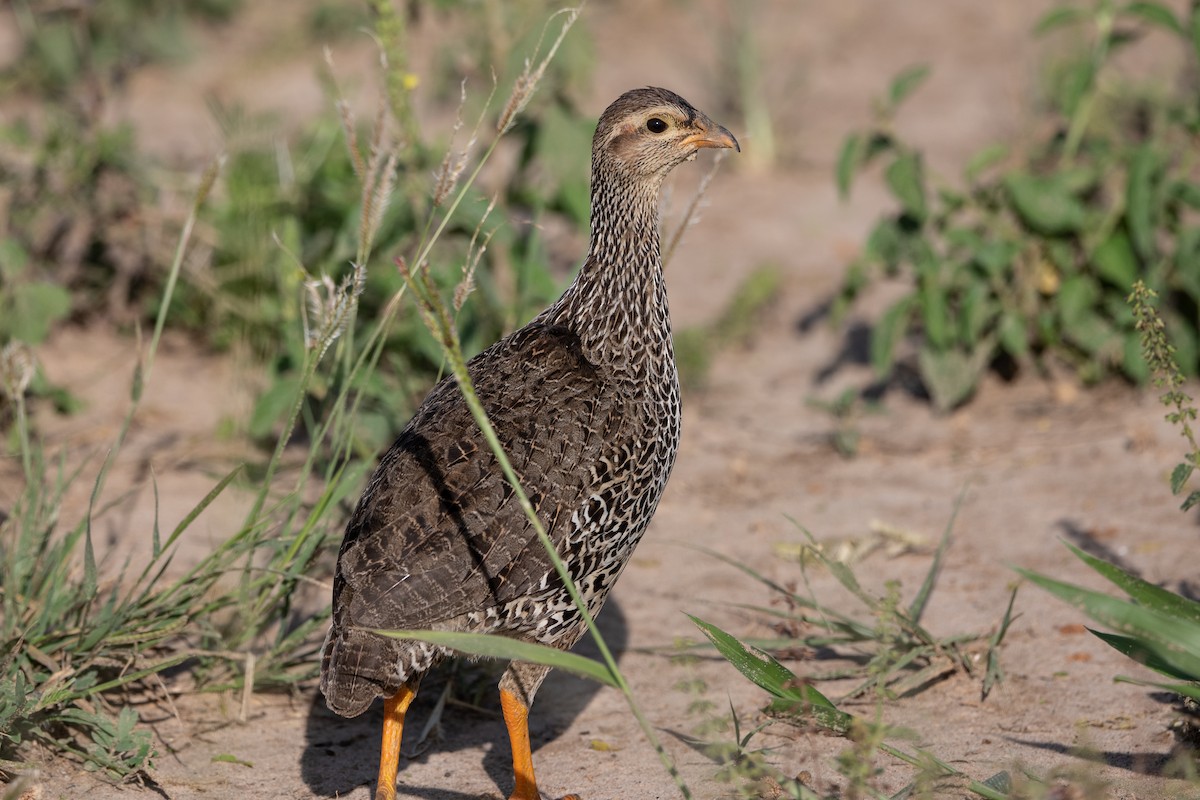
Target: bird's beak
[710,134]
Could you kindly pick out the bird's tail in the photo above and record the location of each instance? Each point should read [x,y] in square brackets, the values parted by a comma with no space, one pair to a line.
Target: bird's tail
[357,666]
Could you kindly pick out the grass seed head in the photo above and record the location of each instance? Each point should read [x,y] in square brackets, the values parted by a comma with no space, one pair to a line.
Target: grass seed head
[17,366]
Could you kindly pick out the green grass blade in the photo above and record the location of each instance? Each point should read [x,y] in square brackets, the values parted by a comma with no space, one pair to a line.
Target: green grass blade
[1191,690]
[1146,654]
[492,646]
[994,674]
[1146,594]
[848,161]
[185,523]
[917,607]
[1175,636]
[155,539]
[792,695]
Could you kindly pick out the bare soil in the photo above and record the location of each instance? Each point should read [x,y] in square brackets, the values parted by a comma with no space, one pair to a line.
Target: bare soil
[1037,461]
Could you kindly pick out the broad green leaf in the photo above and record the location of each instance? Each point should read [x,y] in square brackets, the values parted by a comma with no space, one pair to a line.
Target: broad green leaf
[1146,594]
[948,376]
[935,315]
[951,375]
[1058,17]
[792,694]
[978,311]
[492,646]
[1013,333]
[1076,299]
[13,259]
[1143,652]
[1191,690]
[1155,14]
[848,161]
[1046,204]
[1001,781]
[1190,501]
[996,257]
[1176,640]
[1184,336]
[1186,192]
[885,243]
[905,179]
[1133,361]
[1115,262]
[1097,337]
[906,82]
[273,404]
[891,326]
[1140,212]
[36,307]
[1179,477]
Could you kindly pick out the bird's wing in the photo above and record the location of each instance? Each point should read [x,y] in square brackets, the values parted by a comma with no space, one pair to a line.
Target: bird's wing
[439,532]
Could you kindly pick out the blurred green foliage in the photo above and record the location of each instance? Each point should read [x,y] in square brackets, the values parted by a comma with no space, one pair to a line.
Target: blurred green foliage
[291,211]
[66,47]
[1032,256]
[87,234]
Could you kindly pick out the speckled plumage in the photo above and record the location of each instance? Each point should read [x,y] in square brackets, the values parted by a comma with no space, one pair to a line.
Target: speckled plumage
[585,399]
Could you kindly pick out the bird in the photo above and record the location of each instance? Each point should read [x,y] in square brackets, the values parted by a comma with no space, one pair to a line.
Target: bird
[585,401]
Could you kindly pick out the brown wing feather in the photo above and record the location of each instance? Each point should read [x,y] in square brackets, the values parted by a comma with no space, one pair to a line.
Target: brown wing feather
[439,534]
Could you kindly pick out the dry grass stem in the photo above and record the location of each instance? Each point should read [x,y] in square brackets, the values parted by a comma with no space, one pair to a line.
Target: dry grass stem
[475,251]
[692,215]
[452,165]
[17,366]
[346,116]
[529,78]
[330,307]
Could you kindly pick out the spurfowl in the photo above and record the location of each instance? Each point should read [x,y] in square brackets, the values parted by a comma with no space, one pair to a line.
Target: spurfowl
[585,399]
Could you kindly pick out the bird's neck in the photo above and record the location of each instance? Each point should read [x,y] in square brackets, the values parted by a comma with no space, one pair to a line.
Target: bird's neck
[618,302]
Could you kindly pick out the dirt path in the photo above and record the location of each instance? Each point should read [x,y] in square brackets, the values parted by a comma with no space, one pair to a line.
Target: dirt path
[1036,462]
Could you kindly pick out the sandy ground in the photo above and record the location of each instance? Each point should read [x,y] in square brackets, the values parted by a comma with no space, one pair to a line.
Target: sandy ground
[1036,462]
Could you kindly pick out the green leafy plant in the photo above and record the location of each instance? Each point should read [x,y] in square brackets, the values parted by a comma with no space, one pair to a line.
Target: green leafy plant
[1030,257]
[1154,626]
[895,654]
[294,211]
[28,307]
[62,45]
[1160,355]
[904,656]
[794,700]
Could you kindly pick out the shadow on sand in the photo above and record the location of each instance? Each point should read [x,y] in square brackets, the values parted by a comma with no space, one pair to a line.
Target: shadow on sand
[342,754]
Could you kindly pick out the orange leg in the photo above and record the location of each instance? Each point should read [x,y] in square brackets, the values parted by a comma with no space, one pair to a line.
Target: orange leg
[516,719]
[394,709]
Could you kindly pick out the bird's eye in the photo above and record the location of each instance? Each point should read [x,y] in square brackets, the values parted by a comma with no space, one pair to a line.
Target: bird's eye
[655,125]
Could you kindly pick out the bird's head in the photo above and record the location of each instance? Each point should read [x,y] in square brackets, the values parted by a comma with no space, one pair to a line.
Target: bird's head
[647,132]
